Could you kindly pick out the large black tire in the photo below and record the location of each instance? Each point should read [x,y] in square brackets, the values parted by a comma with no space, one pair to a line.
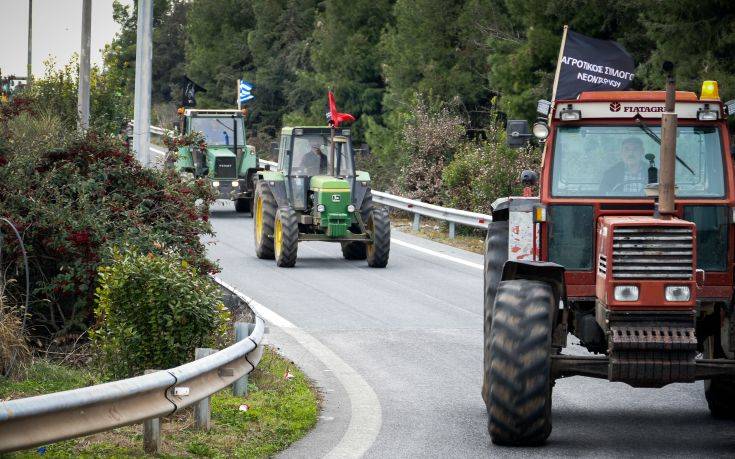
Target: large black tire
[719,392]
[357,250]
[286,237]
[496,254]
[354,250]
[242,205]
[378,250]
[519,408]
[264,220]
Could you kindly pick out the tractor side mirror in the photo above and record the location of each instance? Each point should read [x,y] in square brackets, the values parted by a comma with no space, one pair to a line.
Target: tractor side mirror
[529,178]
[518,133]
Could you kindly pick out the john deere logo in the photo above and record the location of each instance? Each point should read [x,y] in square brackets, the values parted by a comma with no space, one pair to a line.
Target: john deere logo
[336,198]
[614,106]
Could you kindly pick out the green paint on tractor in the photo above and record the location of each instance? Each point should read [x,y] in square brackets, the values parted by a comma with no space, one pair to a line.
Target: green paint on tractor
[317,195]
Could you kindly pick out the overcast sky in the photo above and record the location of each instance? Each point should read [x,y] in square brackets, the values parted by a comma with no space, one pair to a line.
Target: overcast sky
[57,28]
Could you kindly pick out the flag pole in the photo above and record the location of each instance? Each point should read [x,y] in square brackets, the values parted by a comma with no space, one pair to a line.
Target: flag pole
[238,94]
[558,62]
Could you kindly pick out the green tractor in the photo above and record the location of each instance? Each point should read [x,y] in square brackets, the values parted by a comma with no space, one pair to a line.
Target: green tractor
[317,195]
[227,161]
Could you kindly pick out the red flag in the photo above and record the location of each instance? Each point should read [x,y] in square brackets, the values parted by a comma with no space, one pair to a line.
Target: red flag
[336,118]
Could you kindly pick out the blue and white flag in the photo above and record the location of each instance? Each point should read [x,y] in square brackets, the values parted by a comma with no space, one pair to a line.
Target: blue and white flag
[245,93]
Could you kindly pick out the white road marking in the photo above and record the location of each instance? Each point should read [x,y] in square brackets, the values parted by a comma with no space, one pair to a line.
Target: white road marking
[436,254]
[365,414]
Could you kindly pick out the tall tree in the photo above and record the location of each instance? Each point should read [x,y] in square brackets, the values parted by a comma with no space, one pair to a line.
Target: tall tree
[346,58]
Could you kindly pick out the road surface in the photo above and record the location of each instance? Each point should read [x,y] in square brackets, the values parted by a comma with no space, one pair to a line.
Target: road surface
[397,355]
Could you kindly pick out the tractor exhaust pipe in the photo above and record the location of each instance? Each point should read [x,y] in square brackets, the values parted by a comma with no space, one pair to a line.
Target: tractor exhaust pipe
[666,185]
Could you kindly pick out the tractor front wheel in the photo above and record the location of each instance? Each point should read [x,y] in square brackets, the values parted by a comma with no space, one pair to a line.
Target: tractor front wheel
[264,215]
[242,205]
[354,250]
[496,254]
[719,392]
[378,249]
[519,400]
[286,237]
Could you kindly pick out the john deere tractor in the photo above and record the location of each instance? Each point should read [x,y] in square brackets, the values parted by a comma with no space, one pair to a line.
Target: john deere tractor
[227,162]
[315,194]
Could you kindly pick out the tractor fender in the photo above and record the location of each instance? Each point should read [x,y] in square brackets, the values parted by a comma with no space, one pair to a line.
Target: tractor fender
[545,271]
[277,186]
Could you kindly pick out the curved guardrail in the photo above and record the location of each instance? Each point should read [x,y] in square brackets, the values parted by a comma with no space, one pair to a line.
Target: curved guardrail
[44,419]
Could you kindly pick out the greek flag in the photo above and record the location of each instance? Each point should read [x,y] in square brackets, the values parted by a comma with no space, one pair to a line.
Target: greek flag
[245,91]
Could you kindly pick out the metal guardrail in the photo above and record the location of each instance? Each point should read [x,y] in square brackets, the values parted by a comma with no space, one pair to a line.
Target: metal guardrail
[44,419]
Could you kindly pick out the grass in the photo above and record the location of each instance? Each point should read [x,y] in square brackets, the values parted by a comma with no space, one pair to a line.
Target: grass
[280,411]
[437,231]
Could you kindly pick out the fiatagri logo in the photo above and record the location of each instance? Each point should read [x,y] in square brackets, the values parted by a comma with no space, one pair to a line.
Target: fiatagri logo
[615,107]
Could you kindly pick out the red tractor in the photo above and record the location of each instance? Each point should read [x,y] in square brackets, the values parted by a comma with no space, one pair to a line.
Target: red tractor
[630,247]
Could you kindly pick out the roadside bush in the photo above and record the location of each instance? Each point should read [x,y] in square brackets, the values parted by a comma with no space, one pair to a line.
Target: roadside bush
[73,196]
[485,170]
[431,137]
[152,311]
[57,92]
[14,353]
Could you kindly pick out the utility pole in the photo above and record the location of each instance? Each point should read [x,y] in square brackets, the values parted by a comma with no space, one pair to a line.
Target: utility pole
[83,96]
[143,65]
[29,75]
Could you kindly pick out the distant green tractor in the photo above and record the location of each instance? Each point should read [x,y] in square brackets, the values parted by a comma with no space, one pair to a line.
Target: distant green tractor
[317,195]
[227,162]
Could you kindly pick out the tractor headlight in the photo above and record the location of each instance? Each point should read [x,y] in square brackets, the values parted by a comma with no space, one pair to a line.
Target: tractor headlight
[677,293]
[234,183]
[320,208]
[215,184]
[350,208]
[540,130]
[626,293]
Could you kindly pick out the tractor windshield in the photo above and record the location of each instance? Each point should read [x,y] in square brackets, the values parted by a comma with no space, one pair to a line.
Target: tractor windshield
[311,155]
[614,161]
[219,130]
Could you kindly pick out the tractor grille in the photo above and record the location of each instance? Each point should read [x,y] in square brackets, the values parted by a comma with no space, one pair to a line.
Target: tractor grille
[225,167]
[652,252]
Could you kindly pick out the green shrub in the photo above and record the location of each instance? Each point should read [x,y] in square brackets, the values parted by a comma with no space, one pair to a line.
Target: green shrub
[482,171]
[73,196]
[152,311]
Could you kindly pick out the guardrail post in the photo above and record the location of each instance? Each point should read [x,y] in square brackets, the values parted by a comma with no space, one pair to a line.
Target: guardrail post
[152,431]
[416,222]
[203,408]
[451,230]
[242,331]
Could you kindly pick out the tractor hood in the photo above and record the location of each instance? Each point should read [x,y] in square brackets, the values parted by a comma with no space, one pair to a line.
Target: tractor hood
[328,183]
[219,152]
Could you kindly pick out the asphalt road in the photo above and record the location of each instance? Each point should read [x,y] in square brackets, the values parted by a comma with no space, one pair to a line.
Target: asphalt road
[397,355]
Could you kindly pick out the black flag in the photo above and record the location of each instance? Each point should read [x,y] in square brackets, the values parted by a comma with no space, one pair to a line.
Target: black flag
[189,91]
[590,64]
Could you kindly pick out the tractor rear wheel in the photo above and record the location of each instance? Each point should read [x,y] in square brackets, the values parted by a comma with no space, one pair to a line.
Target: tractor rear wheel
[286,237]
[496,254]
[719,392]
[242,205]
[264,215]
[519,408]
[378,249]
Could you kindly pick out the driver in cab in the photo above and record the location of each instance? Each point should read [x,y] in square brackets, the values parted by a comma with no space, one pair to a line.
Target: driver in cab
[629,176]
[314,161]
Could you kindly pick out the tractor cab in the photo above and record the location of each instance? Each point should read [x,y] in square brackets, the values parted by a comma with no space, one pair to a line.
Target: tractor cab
[227,161]
[305,160]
